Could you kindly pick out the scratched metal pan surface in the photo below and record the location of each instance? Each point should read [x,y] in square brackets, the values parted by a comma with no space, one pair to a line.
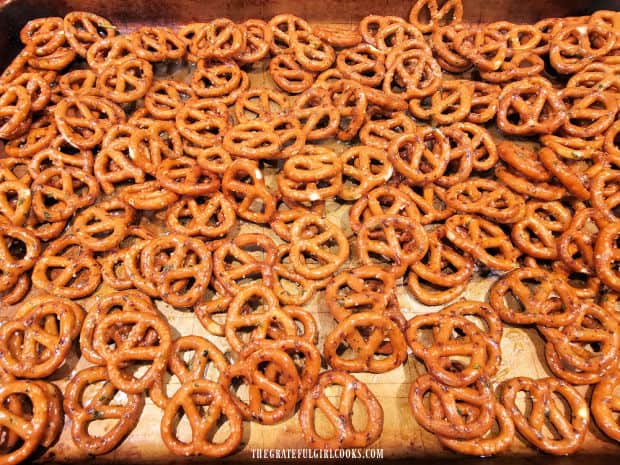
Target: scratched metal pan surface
[402,438]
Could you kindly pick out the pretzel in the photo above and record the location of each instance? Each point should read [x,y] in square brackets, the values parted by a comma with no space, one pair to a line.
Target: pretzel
[421,157]
[156,44]
[312,53]
[362,63]
[126,81]
[288,211]
[285,28]
[38,88]
[573,47]
[539,108]
[338,36]
[594,325]
[204,403]
[202,122]
[576,244]
[442,274]
[19,251]
[284,274]
[469,343]
[484,446]
[351,102]
[67,269]
[102,405]
[82,29]
[254,140]
[442,44]
[243,185]
[260,103]
[523,159]
[450,412]
[370,25]
[546,300]
[261,390]
[543,394]
[207,362]
[364,357]
[589,114]
[310,235]
[475,235]
[40,135]
[340,416]
[428,15]
[114,166]
[368,167]
[379,133]
[603,188]
[132,349]
[123,301]
[210,217]
[149,195]
[311,108]
[221,80]
[166,97]
[258,36]
[537,234]
[109,218]
[15,106]
[393,35]
[184,176]
[220,39]
[414,74]
[606,255]
[31,349]
[479,195]
[29,430]
[302,175]
[288,74]
[604,405]
[45,35]
[247,256]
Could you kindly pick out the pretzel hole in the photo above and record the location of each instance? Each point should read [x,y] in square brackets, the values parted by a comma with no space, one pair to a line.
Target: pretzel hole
[324,428]
[17,248]
[525,403]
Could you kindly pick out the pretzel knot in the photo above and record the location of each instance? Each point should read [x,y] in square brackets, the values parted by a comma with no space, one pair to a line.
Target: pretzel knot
[340,416]
[548,397]
[270,401]
[605,405]
[428,15]
[103,405]
[607,255]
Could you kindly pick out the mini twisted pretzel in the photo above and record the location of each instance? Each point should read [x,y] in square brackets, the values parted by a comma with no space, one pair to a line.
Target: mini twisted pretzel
[102,227]
[487,198]
[127,80]
[451,103]
[340,416]
[362,63]
[483,103]
[219,39]
[414,74]
[483,240]
[544,298]
[469,343]
[261,104]
[43,35]
[589,114]
[40,135]
[205,404]
[461,413]
[338,36]
[607,255]
[351,101]
[78,82]
[367,167]
[151,146]
[103,403]
[262,391]
[258,36]
[67,269]
[421,157]
[442,274]
[132,348]
[83,29]
[15,106]
[149,195]
[393,36]
[19,251]
[158,44]
[574,47]
[243,185]
[258,308]
[605,406]
[27,430]
[207,362]
[316,112]
[39,89]
[222,80]
[484,46]
[535,105]
[209,217]
[604,188]
[537,234]
[491,443]
[303,175]
[442,43]
[428,15]
[598,77]
[375,330]
[545,395]
[520,65]
[83,119]
[314,240]
[184,176]
[285,28]
[179,266]
[398,240]
[31,348]
[381,200]
[430,200]
[576,244]
[52,157]
[312,53]
[285,275]
[594,325]
[203,122]
[123,301]
[379,133]
[370,25]
[246,257]
[255,140]
[114,166]
[166,97]
[289,75]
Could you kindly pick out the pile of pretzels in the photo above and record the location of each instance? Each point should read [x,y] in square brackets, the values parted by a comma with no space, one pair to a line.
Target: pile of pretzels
[144,170]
